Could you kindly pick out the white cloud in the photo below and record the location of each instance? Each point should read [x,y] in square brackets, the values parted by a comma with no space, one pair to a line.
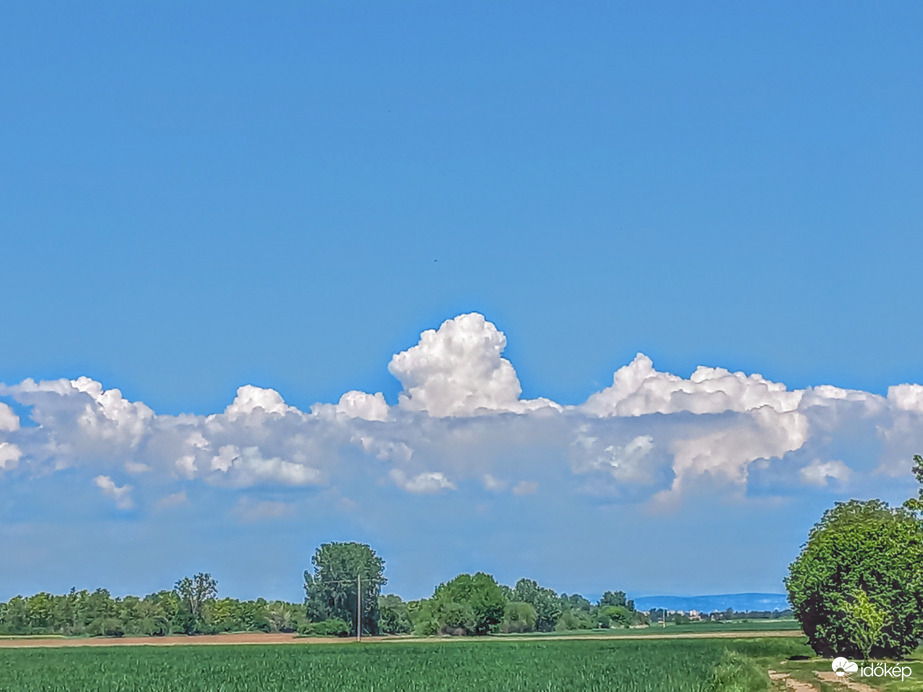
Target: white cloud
[819,472]
[638,389]
[423,483]
[355,404]
[623,462]
[9,421]
[494,484]
[186,466]
[649,434]
[256,401]
[251,468]
[907,397]
[457,370]
[225,458]
[121,495]
[83,420]
[725,455]
[525,488]
[9,455]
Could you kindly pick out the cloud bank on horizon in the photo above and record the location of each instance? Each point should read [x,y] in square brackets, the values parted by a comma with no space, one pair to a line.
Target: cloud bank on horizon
[460,424]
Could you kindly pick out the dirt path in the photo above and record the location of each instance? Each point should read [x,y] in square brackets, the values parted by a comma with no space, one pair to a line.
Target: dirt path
[280,638]
[790,683]
[831,677]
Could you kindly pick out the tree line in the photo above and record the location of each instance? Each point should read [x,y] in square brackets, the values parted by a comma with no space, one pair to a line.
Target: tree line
[343,596]
[192,607]
[342,593]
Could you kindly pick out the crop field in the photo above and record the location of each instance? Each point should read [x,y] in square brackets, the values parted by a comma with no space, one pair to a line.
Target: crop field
[536,666]
[708,628]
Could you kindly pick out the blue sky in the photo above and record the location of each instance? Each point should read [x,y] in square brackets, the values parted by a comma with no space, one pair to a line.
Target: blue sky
[195,197]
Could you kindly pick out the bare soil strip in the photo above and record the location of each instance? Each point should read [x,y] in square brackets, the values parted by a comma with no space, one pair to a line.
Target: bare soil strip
[854,685]
[281,638]
[790,683]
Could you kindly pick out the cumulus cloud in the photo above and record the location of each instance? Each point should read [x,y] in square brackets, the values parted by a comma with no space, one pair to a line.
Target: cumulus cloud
[623,462]
[820,472]
[639,389]
[248,466]
[8,418]
[121,494]
[256,401]
[525,488]
[457,370]
[9,455]
[907,397]
[423,483]
[460,424]
[355,405]
[494,484]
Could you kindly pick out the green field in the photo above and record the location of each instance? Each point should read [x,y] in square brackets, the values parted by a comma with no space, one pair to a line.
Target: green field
[703,628]
[535,665]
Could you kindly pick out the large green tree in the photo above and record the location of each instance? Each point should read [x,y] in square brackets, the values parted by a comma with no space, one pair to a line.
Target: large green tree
[863,562]
[193,593]
[468,604]
[393,617]
[546,602]
[518,617]
[332,590]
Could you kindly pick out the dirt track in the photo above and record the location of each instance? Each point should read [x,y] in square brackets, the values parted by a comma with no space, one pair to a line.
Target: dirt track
[260,638]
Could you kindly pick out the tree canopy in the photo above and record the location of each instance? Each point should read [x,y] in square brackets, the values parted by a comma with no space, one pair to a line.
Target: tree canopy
[194,593]
[545,601]
[468,604]
[332,591]
[857,586]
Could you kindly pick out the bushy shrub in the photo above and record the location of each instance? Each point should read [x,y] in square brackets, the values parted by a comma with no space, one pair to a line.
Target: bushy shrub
[518,617]
[575,620]
[860,558]
[334,627]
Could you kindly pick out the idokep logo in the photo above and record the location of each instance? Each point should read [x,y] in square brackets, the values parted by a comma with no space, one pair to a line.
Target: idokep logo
[843,666]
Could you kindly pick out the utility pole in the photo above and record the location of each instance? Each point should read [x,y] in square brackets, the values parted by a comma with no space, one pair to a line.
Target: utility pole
[359,607]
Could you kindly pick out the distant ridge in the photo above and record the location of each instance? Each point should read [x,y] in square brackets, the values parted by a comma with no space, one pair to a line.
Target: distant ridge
[709,604]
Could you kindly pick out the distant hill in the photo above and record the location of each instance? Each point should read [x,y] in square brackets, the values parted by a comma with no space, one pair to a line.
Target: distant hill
[709,604]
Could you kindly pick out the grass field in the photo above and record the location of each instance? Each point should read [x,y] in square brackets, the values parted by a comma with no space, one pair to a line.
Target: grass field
[705,627]
[534,665]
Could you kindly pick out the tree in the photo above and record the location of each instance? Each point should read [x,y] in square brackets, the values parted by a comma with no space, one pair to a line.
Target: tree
[393,618]
[468,604]
[518,617]
[332,590]
[546,602]
[193,594]
[915,504]
[868,547]
[575,619]
[575,602]
[616,615]
[614,598]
